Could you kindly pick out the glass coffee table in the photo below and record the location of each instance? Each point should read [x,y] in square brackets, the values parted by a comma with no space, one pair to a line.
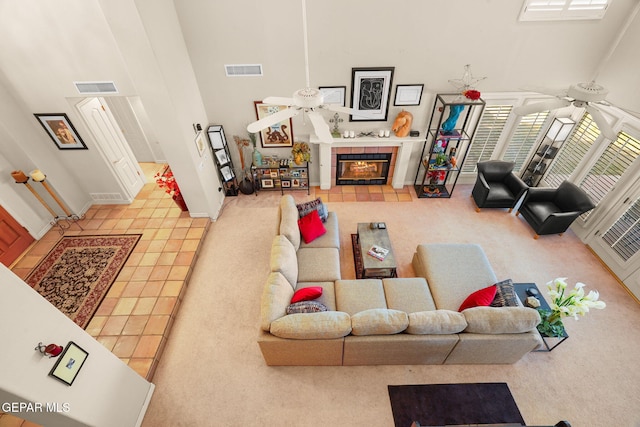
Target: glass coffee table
[368,237]
[549,342]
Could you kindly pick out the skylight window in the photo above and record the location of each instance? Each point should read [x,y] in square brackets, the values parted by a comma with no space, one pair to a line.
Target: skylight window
[557,10]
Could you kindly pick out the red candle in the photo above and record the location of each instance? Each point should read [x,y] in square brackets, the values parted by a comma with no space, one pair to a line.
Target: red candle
[20,177]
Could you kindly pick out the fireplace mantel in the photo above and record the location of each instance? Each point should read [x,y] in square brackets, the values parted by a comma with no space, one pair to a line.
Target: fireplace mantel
[405,147]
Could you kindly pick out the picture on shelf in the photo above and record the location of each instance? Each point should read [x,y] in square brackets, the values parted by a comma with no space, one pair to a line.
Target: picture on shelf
[295,182]
[222,157]
[267,183]
[286,183]
[273,173]
[227,173]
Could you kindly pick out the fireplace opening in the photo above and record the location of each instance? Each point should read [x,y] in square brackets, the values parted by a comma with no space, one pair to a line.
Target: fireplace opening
[362,169]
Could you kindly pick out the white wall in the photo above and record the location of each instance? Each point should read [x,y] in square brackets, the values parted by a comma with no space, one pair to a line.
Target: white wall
[106,391]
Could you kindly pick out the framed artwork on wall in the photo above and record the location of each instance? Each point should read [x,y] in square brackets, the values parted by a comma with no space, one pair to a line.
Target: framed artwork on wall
[69,363]
[371,88]
[277,135]
[333,94]
[408,94]
[61,131]
[201,143]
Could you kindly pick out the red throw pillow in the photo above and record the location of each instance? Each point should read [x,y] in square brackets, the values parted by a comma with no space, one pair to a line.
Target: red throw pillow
[306,294]
[311,227]
[480,298]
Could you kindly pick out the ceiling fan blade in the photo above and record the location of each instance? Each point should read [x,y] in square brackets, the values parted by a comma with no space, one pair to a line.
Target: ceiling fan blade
[274,118]
[603,124]
[278,100]
[536,107]
[338,108]
[321,127]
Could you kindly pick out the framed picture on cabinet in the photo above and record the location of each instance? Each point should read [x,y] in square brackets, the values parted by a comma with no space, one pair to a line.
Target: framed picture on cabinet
[408,95]
[333,94]
[267,183]
[222,157]
[227,173]
[286,183]
[61,131]
[371,90]
[279,134]
[69,363]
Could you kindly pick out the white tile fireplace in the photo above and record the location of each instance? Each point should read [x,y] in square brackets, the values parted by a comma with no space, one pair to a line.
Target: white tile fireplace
[399,148]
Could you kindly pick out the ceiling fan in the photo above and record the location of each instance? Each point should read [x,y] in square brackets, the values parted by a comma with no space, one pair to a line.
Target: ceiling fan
[581,95]
[308,101]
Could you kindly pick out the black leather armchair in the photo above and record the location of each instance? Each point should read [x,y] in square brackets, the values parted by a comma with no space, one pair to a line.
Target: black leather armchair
[552,210]
[497,186]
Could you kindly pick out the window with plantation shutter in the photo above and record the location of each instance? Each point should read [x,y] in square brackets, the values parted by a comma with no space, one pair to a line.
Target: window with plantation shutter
[611,165]
[494,117]
[623,237]
[572,151]
[523,139]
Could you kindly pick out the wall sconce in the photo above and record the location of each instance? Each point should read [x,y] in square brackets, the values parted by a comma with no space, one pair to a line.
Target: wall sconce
[51,350]
[560,129]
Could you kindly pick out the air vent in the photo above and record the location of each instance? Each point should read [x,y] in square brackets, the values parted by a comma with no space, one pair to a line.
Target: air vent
[243,70]
[106,197]
[96,87]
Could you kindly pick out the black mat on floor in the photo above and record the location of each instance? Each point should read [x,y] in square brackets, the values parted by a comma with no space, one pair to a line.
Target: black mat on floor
[453,404]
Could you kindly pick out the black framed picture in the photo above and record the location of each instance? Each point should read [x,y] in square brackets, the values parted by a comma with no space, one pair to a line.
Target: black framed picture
[59,128]
[69,363]
[408,94]
[371,89]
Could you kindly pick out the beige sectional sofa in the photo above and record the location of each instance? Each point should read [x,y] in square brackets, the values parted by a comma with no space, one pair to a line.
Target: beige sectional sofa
[390,321]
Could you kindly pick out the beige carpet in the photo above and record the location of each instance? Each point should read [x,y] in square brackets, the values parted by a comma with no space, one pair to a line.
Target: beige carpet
[212,372]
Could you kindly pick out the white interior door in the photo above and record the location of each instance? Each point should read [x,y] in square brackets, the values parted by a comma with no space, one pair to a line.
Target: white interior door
[113,145]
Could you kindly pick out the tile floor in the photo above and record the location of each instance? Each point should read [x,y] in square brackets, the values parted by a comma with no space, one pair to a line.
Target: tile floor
[134,320]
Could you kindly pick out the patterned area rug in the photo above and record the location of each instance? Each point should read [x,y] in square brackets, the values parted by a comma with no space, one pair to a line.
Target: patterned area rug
[454,404]
[77,273]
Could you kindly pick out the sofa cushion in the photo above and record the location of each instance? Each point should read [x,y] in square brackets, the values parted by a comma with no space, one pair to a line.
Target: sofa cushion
[379,321]
[311,227]
[306,307]
[306,294]
[289,220]
[284,259]
[480,298]
[505,295]
[449,283]
[436,322]
[310,326]
[503,320]
[328,297]
[276,296]
[409,294]
[318,264]
[330,239]
[314,205]
[354,296]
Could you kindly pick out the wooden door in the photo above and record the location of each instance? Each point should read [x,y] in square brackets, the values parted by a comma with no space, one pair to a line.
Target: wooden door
[14,238]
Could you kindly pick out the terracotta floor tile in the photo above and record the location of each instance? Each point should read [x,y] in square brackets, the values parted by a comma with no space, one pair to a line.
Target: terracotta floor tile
[390,197]
[116,213]
[150,259]
[133,289]
[184,258]
[405,197]
[190,245]
[349,197]
[29,261]
[125,345]
[108,341]
[172,288]
[101,214]
[95,325]
[155,222]
[142,246]
[183,223]
[360,189]
[200,222]
[109,224]
[134,259]
[165,305]
[144,306]
[139,223]
[126,273]
[160,212]
[179,272]
[168,222]
[148,234]
[156,325]
[160,272]
[124,224]
[157,245]
[142,273]
[145,213]
[106,307]
[135,325]
[116,289]
[131,213]
[377,197]
[363,197]
[163,234]
[169,258]
[152,288]
[124,306]
[179,233]
[147,346]
[114,325]
[388,189]
[348,189]
[335,197]
[152,203]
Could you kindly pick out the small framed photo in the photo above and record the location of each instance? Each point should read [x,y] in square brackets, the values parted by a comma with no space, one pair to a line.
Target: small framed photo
[267,183]
[333,94]
[295,182]
[227,173]
[222,157]
[408,94]
[69,363]
[286,183]
[61,131]
[371,91]
[201,143]
[273,173]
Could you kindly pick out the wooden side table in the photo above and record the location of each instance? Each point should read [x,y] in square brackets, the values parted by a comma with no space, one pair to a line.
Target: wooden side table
[549,342]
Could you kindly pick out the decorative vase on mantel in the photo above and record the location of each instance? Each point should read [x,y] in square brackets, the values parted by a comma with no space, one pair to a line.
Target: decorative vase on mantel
[180,202]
